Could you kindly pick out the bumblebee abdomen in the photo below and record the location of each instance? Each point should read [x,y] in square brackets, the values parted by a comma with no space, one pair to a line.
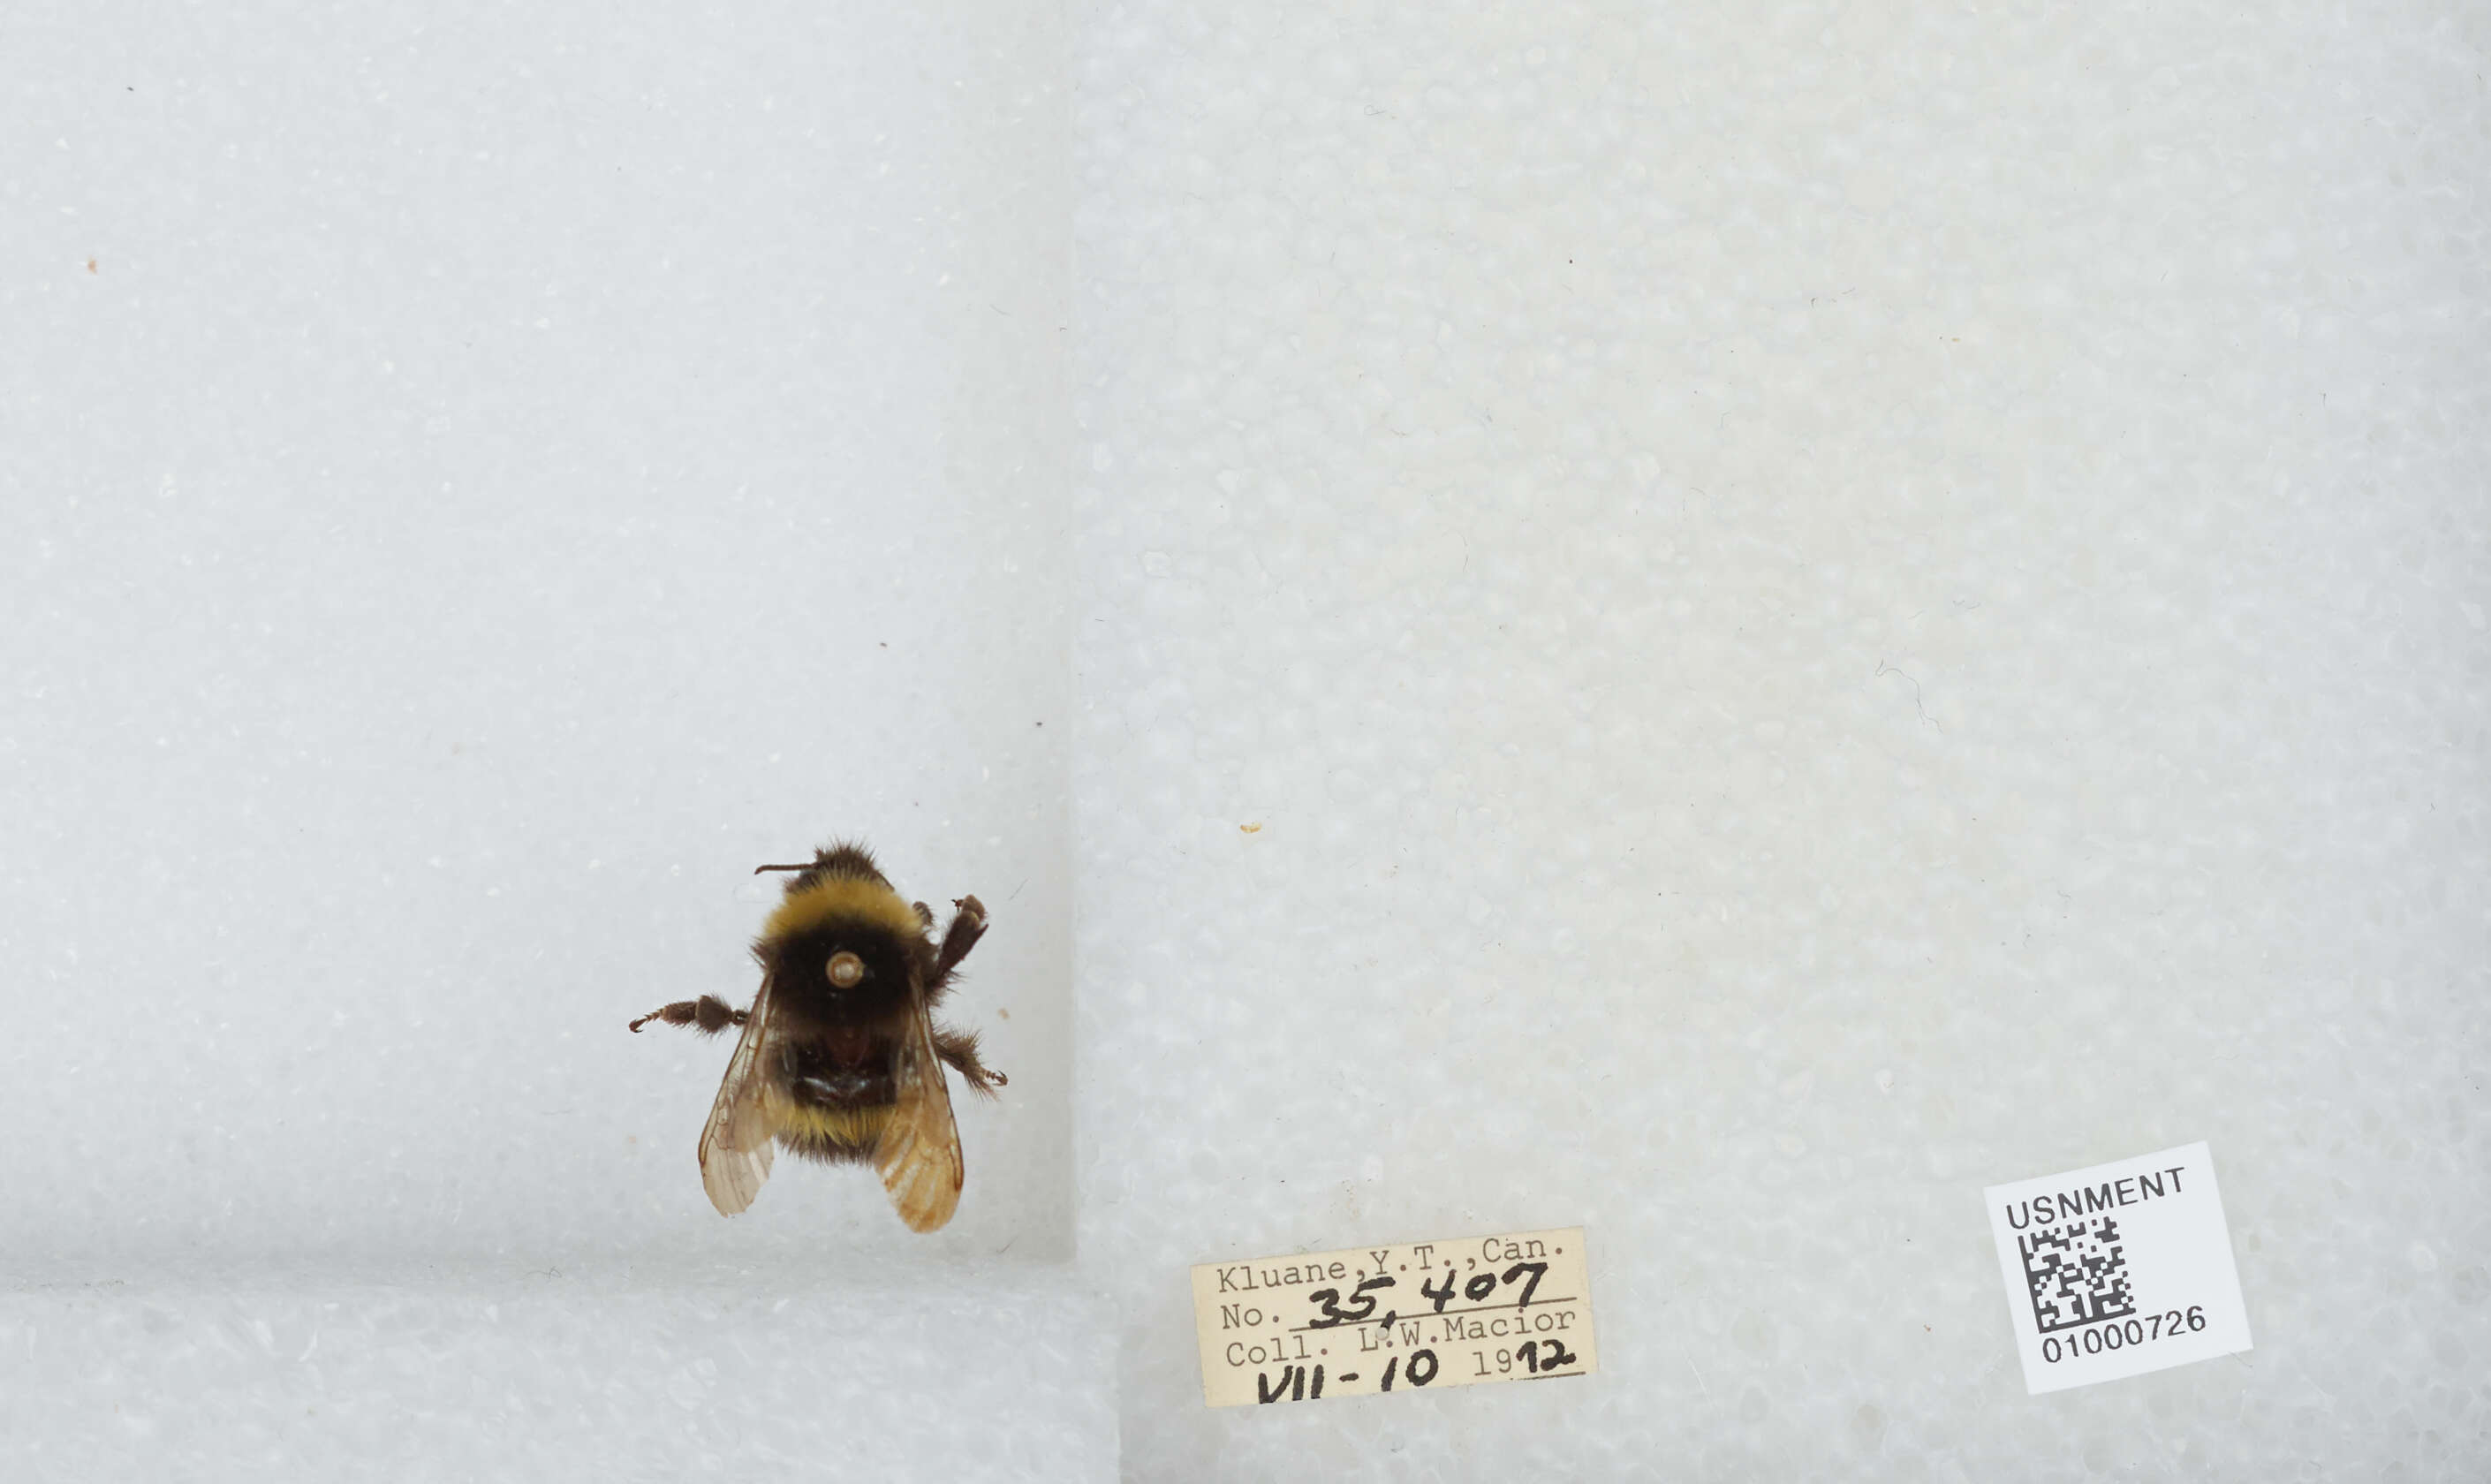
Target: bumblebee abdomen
[833,1133]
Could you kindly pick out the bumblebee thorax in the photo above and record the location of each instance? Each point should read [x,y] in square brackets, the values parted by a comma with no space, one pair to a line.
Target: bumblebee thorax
[842,972]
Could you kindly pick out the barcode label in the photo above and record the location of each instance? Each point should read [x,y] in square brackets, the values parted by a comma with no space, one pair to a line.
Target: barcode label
[2077,1274]
[2118,1270]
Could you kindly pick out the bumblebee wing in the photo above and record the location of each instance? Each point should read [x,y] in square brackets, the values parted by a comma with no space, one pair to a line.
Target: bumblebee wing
[919,1153]
[735,1146]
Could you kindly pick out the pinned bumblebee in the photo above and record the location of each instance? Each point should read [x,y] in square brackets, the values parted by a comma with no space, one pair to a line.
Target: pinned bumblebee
[841,1059]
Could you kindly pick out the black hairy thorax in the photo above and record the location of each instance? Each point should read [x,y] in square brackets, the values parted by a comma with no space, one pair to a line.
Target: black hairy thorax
[802,991]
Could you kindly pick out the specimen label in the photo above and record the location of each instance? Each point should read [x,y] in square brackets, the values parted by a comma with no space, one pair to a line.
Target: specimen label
[2119,1270]
[1404,1317]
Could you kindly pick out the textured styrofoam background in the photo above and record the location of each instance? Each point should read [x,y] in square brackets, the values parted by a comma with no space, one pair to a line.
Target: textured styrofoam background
[472,485]
[1819,607]
[545,1377]
[492,491]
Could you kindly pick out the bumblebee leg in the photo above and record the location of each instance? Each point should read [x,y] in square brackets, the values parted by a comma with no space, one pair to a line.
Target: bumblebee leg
[708,1012]
[925,914]
[968,925]
[959,1048]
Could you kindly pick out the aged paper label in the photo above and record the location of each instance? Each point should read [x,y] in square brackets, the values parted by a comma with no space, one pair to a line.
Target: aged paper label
[2118,1270]
[1408,1317]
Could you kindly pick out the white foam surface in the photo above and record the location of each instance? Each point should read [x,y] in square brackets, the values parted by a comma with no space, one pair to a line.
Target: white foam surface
[1819,607]
[556,1375]
[1815,610]
[476,484]
[492,491]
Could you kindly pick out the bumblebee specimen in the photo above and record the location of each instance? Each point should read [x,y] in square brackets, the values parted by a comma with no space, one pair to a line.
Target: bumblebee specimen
[840,1059]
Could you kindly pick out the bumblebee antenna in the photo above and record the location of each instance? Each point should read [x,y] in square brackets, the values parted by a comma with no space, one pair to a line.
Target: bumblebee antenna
[806,866]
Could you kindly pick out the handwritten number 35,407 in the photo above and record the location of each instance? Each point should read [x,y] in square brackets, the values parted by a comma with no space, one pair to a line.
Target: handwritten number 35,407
[1361,1309]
